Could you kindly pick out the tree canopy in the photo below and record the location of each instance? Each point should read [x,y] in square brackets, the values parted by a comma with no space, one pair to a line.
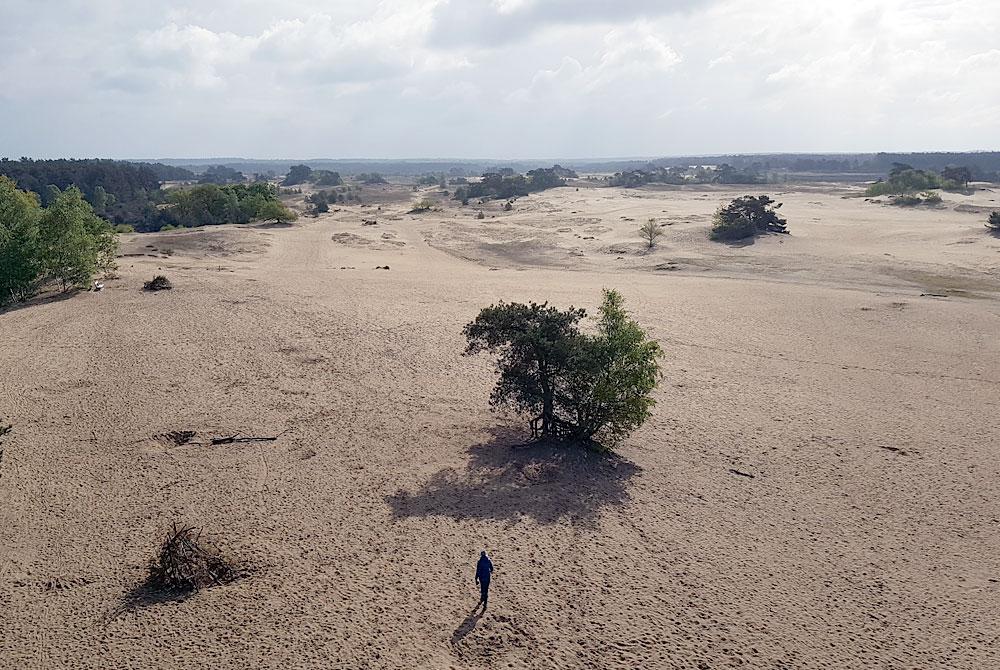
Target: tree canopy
[210,204]
[297,174]
[65,241]
[578,388]
[19,260]
[747,216]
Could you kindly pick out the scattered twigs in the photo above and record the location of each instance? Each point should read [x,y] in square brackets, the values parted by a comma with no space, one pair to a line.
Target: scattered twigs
[186,564]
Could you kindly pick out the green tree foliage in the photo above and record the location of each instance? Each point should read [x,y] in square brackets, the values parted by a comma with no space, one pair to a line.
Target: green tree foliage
[904,180]
[297,174]
[745,217]
[204,205]
[650,232]
[20,265]
[73,241]
[612,377]
[993,221]
[272,210]
[577,387]
[957,174]
[210,204]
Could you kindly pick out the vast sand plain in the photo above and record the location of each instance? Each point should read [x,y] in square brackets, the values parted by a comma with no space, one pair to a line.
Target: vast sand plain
[852,367]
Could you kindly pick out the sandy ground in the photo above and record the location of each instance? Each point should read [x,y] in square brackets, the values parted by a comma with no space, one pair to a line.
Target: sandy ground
[865,408]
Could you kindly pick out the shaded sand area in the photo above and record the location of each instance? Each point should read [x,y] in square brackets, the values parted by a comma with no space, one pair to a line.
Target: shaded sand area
[818,487]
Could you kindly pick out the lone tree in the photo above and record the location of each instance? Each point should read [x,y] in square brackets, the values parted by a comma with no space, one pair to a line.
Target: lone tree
[274,210]
[579,388]
[958,174]
[745,217]
[993,222]
[297,174]
[650,232]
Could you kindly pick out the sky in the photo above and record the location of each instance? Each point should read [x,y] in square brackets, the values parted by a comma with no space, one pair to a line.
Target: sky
[495,78]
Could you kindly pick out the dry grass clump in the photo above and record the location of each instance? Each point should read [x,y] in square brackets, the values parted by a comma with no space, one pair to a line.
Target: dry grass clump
[157,283]
[186,563]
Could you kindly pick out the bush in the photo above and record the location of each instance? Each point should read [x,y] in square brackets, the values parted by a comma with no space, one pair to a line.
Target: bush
[124,228]
[993,221]
[578,388]
[745,217]
[424,205]
[926,198]
[157,283]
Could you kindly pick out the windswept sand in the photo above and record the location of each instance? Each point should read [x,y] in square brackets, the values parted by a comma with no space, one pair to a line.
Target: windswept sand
[867,413]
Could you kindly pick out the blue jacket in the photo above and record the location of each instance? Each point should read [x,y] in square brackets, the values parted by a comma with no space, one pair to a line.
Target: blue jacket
[484,569]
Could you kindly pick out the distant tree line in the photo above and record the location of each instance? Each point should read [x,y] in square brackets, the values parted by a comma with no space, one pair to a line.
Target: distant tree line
[507,184]
[221,175]
[678,175]
[64,241]
[303,174]
[982,165]
[119,191]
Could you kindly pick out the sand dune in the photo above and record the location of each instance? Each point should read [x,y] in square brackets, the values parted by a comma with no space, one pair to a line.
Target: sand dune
[865,409]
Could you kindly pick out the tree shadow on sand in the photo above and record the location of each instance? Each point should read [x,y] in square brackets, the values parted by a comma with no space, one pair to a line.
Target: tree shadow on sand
[505,479]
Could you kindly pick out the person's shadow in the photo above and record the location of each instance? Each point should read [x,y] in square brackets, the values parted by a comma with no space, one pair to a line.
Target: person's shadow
[468,625]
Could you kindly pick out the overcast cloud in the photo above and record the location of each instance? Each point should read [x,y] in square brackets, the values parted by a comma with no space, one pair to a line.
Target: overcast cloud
[495,78]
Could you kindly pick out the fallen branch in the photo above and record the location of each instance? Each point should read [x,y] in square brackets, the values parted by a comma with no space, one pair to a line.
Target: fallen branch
[741,473]
[232,439]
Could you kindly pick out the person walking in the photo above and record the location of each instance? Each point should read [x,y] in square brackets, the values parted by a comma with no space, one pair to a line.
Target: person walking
[484,570]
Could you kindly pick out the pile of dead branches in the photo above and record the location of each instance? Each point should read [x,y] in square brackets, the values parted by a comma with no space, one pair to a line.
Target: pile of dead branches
[157,283]
[186,563]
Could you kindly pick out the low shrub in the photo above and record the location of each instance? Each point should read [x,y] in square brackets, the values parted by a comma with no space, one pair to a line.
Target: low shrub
[157,283]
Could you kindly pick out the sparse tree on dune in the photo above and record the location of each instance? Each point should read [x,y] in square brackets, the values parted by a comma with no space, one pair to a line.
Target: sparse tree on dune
[578,388]
[650,232]
[745,217]
[71,239]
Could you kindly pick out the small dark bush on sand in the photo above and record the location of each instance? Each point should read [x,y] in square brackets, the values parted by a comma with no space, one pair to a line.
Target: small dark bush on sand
[157,283]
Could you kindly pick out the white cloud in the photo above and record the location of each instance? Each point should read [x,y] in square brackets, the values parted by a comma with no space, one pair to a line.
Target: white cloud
[496,77]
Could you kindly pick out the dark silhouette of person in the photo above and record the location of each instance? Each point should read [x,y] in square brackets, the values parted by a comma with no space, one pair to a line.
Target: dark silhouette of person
[484,570]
